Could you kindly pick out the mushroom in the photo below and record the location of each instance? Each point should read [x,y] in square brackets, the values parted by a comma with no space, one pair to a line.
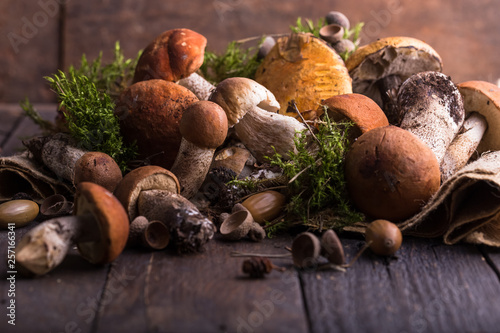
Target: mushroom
[144,178]
[390,173]
[463,145]
[203,128]
[432,108]
[378,68]
[484,98]
[304,69]
[150,113]
[362,111]
[99,228]
[99,168]
[251,109]
[171,56]
[189,229]
[148,234]
[241,224]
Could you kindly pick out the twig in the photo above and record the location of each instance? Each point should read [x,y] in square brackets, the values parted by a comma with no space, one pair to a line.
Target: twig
[293,105]
[244,254]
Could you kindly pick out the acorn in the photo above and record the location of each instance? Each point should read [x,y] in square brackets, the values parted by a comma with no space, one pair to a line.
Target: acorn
[265,206]
[384,237]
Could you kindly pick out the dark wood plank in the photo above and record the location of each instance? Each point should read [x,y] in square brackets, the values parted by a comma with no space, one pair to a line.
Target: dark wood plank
[205,292]
[431,287]
[25,128]
[65,300]
[29,47]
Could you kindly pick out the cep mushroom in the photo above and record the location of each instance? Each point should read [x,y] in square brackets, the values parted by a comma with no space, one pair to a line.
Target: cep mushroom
[432,108]
[99,228]
[251,108]
[150,113]
[304,69]
[203,128]
[99,168]
[379,68]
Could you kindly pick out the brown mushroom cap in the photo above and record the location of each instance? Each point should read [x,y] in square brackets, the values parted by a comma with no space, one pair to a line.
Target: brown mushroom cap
[484,98]
[305,69]
[171,56]
[150,113]
[145,178]
[111,219]
[400,56]
[390,173]
[357,108]
[99,168]
[204,124]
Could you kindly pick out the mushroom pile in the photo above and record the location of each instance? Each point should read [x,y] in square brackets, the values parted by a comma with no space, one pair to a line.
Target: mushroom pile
[413,128]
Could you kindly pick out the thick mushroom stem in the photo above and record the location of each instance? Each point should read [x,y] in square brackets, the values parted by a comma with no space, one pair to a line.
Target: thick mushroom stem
[45,246]
[261,129]
[191,166]
[464,145]
[198,85]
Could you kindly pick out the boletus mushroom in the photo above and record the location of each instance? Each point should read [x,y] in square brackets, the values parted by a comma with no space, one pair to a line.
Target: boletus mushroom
[379,68]
[390,173]
[431,107]
[99,228]
[251,109]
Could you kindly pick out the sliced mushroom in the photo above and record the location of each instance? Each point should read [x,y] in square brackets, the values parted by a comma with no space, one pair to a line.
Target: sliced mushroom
[99,228]
[432,108]
[251,109]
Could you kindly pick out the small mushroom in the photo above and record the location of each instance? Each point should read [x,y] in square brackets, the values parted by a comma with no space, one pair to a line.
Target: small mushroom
[251,109]
[378,68]
[332,248]
[265,206]
[19,212]
[463,145]
[306,250]
[99,228]
[390,173]
[241,224]
[203,128]
[148,234]
[171,56]
[144,178]
[432,108]
[99,168]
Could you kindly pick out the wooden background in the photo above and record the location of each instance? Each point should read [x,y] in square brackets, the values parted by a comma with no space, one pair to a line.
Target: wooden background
[38,37]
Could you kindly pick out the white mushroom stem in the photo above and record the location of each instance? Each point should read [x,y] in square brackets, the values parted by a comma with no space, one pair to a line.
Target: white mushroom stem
[45,246]
[191,166]
[260,130]
[464,145]
[198,85]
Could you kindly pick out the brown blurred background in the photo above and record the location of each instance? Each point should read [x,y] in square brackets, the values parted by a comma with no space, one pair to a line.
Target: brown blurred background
[40,36]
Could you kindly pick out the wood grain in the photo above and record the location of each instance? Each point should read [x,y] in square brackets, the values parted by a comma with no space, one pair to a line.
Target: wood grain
[430,287]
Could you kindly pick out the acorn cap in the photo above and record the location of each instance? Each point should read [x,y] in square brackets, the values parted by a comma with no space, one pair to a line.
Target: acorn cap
[171,56]
[204,124]
[99,168]
[484,98]
[401,56]
[332,248]
[150,113]
[111,219]
[305,69]
[362,111]
[144,178]
[306,248]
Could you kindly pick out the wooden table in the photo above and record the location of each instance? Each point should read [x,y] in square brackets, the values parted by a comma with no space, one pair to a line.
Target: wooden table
[427,287]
